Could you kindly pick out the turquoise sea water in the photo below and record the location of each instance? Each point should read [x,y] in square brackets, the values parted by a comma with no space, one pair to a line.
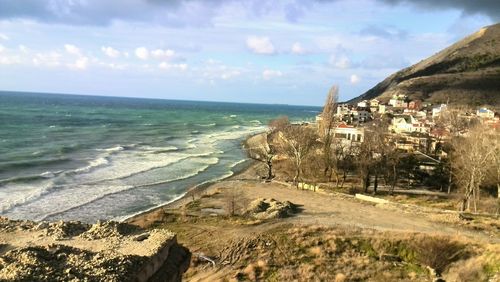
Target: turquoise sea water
[86,158]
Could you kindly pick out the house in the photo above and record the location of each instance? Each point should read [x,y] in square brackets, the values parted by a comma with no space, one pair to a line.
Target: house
[361,114]
[402,123]
[343,109]
[436,111]
[408,124]
[374,105]
[415,105]
[382,109]
[485,113]
[363,104]
[349,134]
[398,101]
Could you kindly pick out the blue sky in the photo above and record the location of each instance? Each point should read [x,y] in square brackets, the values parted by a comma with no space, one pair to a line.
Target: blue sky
[267,51]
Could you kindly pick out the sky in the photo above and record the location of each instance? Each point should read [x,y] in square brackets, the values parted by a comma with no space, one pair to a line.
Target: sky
[257,51]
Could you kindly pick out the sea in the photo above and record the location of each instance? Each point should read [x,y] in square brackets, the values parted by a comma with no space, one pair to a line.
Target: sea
[89,158]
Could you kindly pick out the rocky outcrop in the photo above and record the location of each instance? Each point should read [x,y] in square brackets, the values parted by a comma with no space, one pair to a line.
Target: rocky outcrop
[270,208]
[74,251]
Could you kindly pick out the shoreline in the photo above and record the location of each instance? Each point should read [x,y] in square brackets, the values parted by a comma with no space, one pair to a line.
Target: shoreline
[199,189]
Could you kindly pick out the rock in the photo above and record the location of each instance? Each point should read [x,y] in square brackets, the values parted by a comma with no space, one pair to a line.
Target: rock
[141,237]
[270,208]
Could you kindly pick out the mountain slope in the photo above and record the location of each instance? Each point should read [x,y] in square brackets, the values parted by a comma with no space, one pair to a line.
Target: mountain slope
[467,72]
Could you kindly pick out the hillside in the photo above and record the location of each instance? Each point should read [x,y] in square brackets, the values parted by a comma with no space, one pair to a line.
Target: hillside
[467,72]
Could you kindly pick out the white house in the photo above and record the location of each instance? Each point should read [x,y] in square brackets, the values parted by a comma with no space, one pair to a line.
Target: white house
[437,110]
[349,133]
[363,104]
[398,101]
[408,124]
[343,109]
[485,113]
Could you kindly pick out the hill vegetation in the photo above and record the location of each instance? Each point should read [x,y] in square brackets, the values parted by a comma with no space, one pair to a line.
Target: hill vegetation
[467,72]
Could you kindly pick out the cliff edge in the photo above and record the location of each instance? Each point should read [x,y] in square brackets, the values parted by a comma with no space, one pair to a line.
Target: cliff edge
[75,251]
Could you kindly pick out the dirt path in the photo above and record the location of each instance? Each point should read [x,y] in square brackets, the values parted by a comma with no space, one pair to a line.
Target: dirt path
[322,209]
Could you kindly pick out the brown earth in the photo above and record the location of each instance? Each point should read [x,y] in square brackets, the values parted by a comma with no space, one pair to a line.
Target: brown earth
[203,225]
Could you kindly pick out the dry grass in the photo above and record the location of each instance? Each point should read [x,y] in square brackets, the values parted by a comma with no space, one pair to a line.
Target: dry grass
[325,254]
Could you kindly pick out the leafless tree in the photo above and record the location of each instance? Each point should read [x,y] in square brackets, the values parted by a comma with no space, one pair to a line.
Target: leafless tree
[296,142]
[234,201]
[326,127]
[471,159]
[454,119]
[263,150]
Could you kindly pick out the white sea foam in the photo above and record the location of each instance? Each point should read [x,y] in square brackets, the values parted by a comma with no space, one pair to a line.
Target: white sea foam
[14,194]
[78,195]
[237,163]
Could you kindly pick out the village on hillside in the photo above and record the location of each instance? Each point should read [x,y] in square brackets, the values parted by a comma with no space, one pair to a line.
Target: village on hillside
[415,126]
[412,127]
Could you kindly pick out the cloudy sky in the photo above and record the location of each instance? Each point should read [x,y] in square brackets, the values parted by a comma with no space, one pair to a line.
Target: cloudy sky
[261,51]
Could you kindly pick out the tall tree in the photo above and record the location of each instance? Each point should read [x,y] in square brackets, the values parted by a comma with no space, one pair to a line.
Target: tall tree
[326,127]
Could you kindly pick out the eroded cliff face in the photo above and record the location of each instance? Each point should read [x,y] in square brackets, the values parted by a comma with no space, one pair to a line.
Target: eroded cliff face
[74,251]
[467,72]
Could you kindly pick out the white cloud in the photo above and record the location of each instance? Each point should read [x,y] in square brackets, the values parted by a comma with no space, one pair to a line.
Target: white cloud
[230,74]
[142,53]
[298,49]
[51,59]
[72,49]
[269,74]
[110,51]
[80,64]
[23,48]
[2,48]
[4,37]
[167,66]
[341,62]
[355,79]
[260,45]
[163,54]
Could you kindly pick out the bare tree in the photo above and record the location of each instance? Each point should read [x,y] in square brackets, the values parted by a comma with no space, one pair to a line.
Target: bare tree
[296,143]
[235,201]
[452,120]
[262,149]
[472,155]
[326,127]
[279,124]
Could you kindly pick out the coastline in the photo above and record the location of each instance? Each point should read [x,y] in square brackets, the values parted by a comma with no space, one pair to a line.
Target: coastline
[246,173]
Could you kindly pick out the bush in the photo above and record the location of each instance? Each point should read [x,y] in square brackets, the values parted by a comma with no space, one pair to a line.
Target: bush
[437,252]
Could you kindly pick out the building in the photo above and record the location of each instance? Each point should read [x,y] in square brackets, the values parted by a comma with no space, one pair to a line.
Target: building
[398,101]
[343,109]
[361,114]
[415,105]
[485,113]
[363,104]
[408,124]
[436,111]
[382,109]
[349,134]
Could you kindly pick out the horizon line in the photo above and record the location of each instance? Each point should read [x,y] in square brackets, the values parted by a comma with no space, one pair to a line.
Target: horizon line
[154,98]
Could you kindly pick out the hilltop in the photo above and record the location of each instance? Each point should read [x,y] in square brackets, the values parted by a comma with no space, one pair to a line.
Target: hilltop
[467,72]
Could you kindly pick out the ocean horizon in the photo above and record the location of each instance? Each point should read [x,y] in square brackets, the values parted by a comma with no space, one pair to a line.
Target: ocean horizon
[79,157]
